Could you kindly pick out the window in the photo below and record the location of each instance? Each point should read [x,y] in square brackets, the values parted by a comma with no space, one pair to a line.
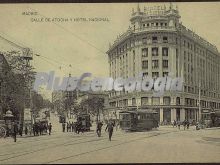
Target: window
[178,101]
[165,63]
[144,52]
[144,101]
[165,51]
[165,40]
[154,51]
[144,64]
[154,39]
[166,100]
[165,74]
[133,101]
[145,74]
[155,101]
[144,40]
[147,24]
[155,74]
[155,64]
[161,24]
[156,24]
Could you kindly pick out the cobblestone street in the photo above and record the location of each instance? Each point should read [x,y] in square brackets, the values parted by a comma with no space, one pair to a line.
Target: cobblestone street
[166,144]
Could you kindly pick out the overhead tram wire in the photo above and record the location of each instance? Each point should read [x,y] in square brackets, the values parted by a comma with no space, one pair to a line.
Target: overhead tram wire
[61,64]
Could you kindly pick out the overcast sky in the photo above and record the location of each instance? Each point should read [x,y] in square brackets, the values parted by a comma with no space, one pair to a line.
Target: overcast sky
[83,44]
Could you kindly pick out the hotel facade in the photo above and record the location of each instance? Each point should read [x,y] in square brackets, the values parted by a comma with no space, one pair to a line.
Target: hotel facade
[157,44]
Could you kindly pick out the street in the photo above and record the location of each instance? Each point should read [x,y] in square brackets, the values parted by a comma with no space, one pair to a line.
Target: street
[166,144]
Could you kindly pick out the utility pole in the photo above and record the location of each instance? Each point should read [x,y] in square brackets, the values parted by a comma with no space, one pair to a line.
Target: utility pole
[200,113]
[31,109]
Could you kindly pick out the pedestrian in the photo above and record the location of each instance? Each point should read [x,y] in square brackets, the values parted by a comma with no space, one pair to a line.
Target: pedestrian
[99,128]
[67,127]
[26,130]
[20,130]
[110,127]
[63,125]
[184,124]
[174,123]
[72,127]
[79,127]
[187,125]
[179,125]
[34,128]
[41,128]
[49,128]
[14,130]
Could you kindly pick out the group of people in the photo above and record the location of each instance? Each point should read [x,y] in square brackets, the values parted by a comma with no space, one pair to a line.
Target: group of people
[38,129]
[41,128]
[79,126]
[185,124]
[110,127]
[76,127]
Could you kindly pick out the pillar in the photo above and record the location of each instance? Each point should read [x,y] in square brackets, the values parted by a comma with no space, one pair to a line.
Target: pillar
[173,114]
[138,102]
[149,100]
[182,114]
[129,102]
[161,114]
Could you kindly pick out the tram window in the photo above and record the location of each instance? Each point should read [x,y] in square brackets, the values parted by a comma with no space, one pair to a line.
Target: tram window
[124,117]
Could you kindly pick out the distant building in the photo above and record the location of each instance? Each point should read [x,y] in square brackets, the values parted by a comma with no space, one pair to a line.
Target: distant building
[157,44]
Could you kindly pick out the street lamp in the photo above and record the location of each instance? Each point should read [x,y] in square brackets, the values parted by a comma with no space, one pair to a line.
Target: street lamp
[8,120]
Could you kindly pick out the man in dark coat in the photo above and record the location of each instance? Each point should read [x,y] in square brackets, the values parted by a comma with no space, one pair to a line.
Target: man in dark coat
[99,128]
[49,128]
[63,125]
[14,130]
[110,127]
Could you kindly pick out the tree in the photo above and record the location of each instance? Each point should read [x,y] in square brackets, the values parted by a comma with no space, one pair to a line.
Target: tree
[17,77]
[95,105]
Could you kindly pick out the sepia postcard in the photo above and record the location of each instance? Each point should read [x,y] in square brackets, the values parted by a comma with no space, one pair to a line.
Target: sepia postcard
[89,83]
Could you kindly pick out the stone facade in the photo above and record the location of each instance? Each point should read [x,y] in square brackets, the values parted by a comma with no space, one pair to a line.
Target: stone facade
[157,44]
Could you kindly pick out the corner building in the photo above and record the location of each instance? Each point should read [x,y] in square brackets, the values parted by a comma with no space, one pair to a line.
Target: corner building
[157,44]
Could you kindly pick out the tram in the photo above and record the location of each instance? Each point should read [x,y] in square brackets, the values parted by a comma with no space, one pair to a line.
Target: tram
[85,119]
[138,120]
[215,118]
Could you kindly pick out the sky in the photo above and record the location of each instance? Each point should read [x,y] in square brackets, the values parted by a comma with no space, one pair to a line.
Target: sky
[78,47]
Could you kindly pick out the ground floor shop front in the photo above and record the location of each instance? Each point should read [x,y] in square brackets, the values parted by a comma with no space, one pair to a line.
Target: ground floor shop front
[166,115]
